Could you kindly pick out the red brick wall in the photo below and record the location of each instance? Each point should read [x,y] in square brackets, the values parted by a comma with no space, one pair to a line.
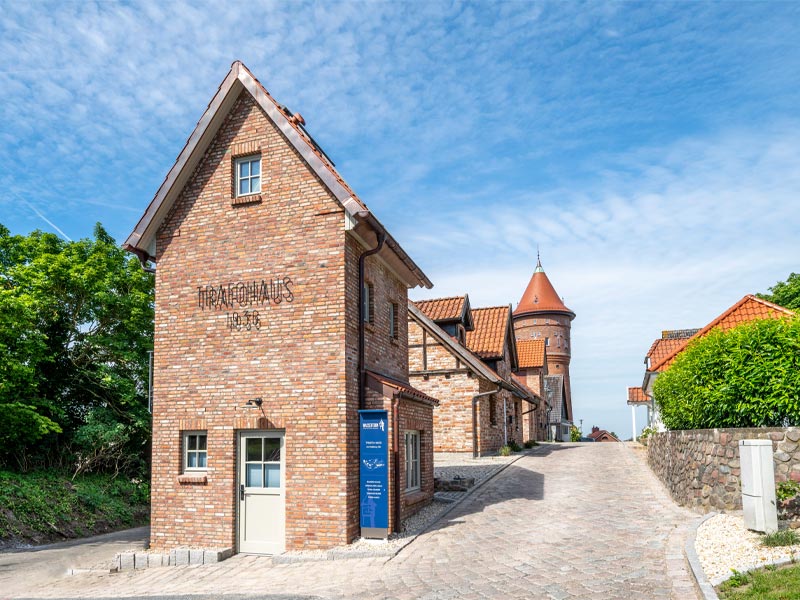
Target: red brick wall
[301,361]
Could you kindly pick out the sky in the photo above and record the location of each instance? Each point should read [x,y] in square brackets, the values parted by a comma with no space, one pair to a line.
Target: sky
[650,151]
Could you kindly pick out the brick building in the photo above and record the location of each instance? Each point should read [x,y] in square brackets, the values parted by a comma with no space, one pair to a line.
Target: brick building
[466,357]
[281,310]
[532,368]
[542,315]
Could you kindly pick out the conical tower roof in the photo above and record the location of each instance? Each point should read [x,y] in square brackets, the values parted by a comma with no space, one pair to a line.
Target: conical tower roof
[540,296]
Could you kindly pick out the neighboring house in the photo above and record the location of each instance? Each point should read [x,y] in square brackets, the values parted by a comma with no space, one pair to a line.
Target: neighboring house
[541,315]
[664,351]
[558,421]
[637,398]
[481,405]
[532,360]
[280,311]
[601,435]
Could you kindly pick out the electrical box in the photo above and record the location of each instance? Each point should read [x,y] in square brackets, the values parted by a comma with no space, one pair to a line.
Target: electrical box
[758,485]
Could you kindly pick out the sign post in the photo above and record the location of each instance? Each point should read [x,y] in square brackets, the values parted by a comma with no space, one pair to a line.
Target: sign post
[374,473]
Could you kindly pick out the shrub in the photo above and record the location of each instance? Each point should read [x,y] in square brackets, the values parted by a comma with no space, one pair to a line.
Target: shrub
[748,376]
[787,489]
[530,444]
[515,447]
[504,451]
[575,434]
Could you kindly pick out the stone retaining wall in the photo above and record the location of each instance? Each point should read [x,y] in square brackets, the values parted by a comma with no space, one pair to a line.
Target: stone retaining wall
[701,469]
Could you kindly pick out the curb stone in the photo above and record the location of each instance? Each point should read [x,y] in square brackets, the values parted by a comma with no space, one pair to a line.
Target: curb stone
[701,581]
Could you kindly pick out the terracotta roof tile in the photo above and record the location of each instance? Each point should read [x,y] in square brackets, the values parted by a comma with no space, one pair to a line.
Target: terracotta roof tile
[401,386]
[442,309]
[750,308]
[541,297]
[662,348]
[636,396]
[489,336]
[530,353]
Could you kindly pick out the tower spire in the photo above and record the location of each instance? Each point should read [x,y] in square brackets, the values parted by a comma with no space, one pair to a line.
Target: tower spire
[539,268]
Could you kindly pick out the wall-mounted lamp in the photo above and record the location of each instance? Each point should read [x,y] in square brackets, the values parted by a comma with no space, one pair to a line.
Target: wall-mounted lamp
[254,403]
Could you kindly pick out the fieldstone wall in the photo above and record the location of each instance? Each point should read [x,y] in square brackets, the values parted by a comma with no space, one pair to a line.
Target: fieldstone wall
[701,469]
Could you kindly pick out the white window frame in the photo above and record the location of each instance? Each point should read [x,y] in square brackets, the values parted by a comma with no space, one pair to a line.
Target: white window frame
[413,471]
[187,435]
[250,159]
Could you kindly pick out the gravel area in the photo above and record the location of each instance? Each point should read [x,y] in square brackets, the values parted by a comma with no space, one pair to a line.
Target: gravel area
[447,466]
[723,544]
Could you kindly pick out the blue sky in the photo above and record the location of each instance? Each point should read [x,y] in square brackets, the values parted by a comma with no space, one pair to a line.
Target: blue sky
[651,150]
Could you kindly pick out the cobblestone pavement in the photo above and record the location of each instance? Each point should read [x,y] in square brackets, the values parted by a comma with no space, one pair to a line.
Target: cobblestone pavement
[568,521]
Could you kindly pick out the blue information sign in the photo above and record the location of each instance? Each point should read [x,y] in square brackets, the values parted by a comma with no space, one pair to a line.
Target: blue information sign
[374,469]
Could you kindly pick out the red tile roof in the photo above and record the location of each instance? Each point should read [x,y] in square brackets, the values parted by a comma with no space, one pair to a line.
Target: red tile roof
[636,396]
[442,309]
[750,308]
[540,296]
[530,353]
[400,386]
[602,435]
[663,348]
[489,336]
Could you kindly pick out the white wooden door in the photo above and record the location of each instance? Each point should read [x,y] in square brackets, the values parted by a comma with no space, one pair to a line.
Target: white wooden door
[262,498]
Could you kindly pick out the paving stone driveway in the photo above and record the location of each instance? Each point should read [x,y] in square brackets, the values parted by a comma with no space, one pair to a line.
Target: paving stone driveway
[569,521]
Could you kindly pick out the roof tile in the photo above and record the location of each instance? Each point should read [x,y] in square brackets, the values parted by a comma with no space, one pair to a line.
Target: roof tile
[489,336]
[442,309]
[530,353]
[636,396]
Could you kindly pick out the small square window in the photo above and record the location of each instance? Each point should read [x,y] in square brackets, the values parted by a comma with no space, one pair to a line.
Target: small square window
[195,450]
[248,175]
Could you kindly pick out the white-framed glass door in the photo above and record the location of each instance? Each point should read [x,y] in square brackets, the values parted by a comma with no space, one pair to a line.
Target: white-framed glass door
[261,492]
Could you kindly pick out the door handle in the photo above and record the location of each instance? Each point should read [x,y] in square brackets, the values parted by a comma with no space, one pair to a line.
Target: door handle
[241,492]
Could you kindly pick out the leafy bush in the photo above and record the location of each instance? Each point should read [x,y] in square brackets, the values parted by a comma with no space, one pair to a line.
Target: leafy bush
[646,433]
[530,444]
[787,489]
[515,447]
[504,451]
[575,434]
[784,537]
[748,376]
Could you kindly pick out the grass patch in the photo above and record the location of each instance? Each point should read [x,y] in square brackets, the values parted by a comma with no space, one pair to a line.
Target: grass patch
[45,506]
[768,584]
[784,537]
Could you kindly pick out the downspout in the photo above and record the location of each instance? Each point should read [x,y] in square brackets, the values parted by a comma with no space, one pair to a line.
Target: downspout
[362,371]
[396,452]
[475,399]
[142,256]
[505,424]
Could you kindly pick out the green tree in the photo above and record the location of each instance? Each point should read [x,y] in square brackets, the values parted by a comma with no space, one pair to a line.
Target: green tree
[748,376]
[785,293]
[575,434]
[76,324]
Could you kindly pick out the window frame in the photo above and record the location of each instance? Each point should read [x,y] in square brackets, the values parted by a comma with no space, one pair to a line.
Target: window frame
[394,320]
[197,450]
[249,158]
[368,303]
[412,440]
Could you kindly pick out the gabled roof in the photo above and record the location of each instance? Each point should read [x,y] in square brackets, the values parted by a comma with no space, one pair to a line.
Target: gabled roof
[530,353]
[472,362]
[455,309]
[366,227]
[636,396]
[540,297]
[493,328]
[662,348]
[388,386]
[750,308]
[601,433]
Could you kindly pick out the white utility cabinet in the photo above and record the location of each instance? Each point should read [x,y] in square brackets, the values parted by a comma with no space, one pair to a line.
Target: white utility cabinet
[758,485]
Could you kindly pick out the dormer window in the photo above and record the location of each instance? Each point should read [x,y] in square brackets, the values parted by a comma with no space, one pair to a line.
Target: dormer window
[248,176]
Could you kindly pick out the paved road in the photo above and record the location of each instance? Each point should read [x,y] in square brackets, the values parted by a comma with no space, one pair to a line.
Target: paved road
[572,521]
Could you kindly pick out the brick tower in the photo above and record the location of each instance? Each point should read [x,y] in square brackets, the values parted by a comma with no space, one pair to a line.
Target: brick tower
[541,314]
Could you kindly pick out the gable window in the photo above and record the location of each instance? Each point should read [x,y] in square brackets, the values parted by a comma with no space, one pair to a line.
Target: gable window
[195,450]
[248,175]
[368,308]
[412,461]
[394,320]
